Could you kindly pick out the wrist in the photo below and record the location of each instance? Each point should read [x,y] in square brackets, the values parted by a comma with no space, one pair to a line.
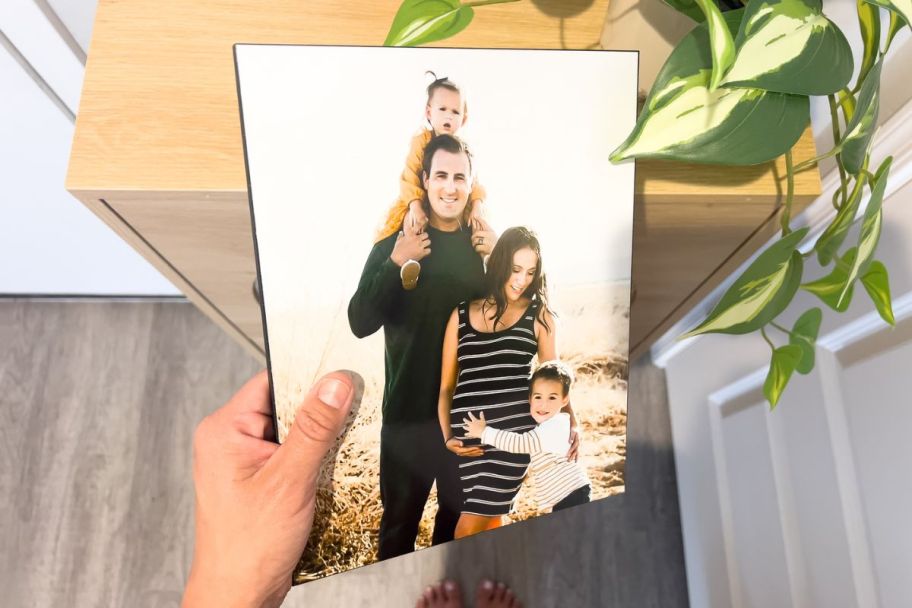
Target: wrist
[205,589]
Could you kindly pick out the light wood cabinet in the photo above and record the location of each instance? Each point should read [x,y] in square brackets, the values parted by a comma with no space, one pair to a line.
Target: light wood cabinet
[158,155]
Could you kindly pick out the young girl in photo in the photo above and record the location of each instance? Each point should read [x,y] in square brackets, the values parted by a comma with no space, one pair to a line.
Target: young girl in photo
[445,112]
[560,483]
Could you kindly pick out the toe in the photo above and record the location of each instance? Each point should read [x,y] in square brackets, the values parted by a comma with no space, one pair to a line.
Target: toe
[484,594]
[430,596]
[499,592]
[452,594]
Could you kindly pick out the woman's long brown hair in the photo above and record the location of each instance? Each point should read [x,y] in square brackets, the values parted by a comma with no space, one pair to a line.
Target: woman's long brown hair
[500,267]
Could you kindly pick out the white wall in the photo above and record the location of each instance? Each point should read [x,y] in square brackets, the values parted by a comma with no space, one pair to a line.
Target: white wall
[50,243]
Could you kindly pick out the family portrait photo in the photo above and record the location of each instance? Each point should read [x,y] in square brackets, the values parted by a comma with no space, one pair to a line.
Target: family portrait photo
[445,223]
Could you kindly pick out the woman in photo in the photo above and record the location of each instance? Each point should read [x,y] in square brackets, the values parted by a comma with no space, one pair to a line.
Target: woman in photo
[487,355]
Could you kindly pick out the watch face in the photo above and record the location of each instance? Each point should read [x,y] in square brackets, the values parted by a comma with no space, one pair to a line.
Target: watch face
[519,254]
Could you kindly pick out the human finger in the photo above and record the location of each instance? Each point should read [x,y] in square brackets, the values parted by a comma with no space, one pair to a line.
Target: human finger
[255,424]
[252,397]
[573,452]
[249,411]
[317,424]
[452,446]
[471,451]
[410,227]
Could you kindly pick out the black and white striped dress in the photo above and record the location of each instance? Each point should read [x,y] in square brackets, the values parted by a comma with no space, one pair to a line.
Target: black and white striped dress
[494,370]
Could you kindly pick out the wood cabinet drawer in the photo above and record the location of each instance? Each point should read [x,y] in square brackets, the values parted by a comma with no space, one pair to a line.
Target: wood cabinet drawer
[157,151]
[207,239]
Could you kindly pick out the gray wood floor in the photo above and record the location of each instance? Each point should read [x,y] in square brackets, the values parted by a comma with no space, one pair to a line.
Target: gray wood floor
[98,402]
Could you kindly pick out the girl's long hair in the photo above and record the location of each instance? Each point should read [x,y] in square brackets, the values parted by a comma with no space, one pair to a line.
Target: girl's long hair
[500,267]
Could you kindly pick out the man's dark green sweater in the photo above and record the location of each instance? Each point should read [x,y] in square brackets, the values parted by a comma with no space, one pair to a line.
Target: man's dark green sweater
[414,321]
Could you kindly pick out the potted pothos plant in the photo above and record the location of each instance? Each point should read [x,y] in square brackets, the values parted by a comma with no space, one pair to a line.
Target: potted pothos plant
[736,91]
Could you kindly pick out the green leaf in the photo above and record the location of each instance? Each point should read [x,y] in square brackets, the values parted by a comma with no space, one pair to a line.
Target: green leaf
[870,225]
[721,43]
[789,46]
[804,335]
[422,21]
[784,361]
[689,8]
[683,120]
[761,293]
[896,24]
[831,239]
[829,288]
[869,23]
[847,100]
[903,8]
[857,139]
[877,284]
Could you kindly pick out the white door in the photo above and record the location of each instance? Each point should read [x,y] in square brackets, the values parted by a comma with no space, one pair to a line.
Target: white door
[809,505]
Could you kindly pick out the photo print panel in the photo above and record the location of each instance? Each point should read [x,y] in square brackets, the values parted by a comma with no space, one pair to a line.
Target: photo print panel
[447,224]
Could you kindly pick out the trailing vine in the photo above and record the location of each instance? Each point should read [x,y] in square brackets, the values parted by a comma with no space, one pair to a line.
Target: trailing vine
[736,91]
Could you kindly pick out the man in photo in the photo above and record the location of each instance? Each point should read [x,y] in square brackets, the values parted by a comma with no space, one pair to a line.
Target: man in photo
[412,456]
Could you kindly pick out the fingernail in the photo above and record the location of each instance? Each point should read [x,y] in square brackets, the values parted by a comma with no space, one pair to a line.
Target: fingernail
[450,586]
[334,393]
[487,585]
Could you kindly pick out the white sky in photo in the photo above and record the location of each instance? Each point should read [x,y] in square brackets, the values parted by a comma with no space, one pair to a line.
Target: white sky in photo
[327,130]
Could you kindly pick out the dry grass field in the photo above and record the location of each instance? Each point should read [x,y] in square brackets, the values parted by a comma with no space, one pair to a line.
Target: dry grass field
[593,338]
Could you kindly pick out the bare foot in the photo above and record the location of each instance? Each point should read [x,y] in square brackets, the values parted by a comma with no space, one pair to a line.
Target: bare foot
[495,595]
[441,595]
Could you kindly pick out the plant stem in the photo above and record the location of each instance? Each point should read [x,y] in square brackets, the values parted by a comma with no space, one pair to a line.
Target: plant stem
[813,161]
[789,195]
[780,328]
[834,120]
[768,341]
[484,2]
[838,263]
[846,98]
[840,191]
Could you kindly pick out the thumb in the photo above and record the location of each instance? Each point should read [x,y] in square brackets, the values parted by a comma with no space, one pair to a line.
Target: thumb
[317,424]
